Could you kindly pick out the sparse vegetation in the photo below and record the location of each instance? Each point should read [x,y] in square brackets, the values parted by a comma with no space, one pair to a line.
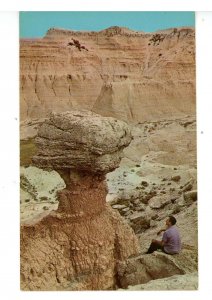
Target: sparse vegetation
[27,150]
[157,38]
[77,44]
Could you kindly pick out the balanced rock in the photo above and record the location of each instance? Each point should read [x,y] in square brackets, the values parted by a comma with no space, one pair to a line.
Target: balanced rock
[82,140]
[78,246]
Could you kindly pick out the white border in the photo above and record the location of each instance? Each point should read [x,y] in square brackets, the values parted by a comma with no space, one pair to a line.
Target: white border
[9,159]
[204,139]
[112,5]
[9,153]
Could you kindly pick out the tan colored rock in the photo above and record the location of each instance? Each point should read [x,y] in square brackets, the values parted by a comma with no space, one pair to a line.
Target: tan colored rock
[190,197]
[120,75]
[159,202]
[124,74]
[139,221]
[176,178]
[144,268]
[75,251]
[185,282]
[81,140]
[78,246]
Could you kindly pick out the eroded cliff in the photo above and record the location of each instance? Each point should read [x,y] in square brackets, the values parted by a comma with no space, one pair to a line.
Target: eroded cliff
[115,72]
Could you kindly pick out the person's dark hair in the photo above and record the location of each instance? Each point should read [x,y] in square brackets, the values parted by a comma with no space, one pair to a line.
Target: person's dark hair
[172,220]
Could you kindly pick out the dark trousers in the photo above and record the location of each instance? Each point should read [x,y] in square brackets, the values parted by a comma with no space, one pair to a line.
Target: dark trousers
[153,247]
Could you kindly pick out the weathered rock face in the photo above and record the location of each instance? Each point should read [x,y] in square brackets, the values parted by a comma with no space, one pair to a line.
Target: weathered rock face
[158,175]
[78,246]
[177,282]
[114,72]
[81,140]
[144,268]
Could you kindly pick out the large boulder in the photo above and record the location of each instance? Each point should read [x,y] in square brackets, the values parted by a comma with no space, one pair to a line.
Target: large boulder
[141,269]
[81,140]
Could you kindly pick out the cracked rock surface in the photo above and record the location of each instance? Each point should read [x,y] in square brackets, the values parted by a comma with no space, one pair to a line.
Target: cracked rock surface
[82,140]
[79,245]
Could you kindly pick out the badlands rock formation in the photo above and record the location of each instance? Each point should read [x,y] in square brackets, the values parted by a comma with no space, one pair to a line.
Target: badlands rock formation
[147,80]
[78,246]
[158,175]
[96,143]
[133,76]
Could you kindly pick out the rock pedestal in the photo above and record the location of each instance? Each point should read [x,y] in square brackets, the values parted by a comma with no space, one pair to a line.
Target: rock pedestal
[79,246]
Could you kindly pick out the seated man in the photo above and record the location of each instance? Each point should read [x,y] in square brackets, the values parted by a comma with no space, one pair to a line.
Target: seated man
[171,243]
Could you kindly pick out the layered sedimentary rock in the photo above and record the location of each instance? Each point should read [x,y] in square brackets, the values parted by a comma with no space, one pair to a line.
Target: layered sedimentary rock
[78,246]
[96,143]
[115,72]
